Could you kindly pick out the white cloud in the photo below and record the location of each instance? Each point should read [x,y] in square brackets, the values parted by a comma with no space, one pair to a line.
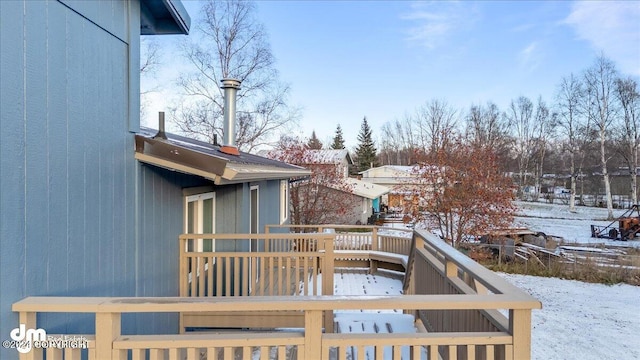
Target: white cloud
[529,57]
[434,21]
[612,27]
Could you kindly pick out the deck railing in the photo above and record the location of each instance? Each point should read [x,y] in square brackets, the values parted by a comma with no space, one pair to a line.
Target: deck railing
[462,310]
[255,264]
[360,237]
[308,343]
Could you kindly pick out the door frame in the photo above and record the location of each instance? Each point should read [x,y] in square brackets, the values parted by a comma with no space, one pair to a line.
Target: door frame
[198,220]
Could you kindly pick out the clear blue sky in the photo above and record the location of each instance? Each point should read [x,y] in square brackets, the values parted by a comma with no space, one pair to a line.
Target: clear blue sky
[381,59]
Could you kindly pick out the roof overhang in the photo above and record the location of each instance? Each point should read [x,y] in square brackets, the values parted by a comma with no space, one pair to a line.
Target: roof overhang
[365,189]
[239,173]
[162,153]
[159,17]
[169,156]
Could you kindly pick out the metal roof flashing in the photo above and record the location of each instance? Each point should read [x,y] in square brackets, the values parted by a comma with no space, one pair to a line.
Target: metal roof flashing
[199,158]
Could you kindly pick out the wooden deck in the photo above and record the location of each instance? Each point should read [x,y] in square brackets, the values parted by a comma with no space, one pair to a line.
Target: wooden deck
[454,300]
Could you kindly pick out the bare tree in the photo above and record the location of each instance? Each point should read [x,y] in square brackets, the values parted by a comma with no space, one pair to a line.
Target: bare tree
[150,55]
[626,92]
[149,62]
[398,142]
[520,117]
[545,123]
[487,127]
[436,121]
[463,190]
[601,109]
[321,197]
[573,128]
[231,43]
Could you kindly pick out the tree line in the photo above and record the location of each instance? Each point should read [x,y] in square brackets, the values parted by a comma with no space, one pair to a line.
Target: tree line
[592,120]
[591,125]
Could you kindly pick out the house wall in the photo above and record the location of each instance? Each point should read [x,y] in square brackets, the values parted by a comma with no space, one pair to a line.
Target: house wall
[233,209]
[355,212]
[360,211]
[160,220]
[78,215]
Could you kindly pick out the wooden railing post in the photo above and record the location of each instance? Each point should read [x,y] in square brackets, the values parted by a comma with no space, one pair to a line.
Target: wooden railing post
[327,278]
[29,321]
[408,284]
[312,334]
[520,329]
[107,330]
[374,239]
[183,271]
[451,269]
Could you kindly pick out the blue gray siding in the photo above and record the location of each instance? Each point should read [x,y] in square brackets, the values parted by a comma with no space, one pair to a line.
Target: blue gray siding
[160,222]
[67,211]
[78,215]
[233,204]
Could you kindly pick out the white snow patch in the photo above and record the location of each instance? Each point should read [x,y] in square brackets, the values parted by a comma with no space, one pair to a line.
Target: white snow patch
[574,227]
[581,320]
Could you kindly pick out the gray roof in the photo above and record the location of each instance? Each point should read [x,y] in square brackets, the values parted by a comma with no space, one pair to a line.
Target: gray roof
[204,159]
[311,156]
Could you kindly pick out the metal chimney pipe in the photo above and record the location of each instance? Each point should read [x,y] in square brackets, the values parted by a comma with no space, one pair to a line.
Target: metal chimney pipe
[160,133]
[231,87]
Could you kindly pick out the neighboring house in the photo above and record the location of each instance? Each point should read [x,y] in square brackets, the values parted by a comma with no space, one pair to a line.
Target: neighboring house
[340,159]
[361,199]
[366,200]
[91,204]
[401,180]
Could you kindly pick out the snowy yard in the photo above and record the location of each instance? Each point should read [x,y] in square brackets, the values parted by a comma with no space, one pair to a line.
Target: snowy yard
[553,219]
[581,320]
[578,320]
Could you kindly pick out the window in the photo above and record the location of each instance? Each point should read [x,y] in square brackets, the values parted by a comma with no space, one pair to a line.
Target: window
[200,218]
[284,201]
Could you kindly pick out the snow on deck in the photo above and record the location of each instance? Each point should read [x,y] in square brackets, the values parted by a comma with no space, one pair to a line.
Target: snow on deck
[371,321]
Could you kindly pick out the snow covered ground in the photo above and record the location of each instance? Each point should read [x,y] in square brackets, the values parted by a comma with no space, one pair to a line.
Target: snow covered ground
[554,219]
[577,320]
[581,320]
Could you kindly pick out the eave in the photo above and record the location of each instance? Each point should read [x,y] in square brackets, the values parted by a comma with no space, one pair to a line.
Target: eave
[165,154]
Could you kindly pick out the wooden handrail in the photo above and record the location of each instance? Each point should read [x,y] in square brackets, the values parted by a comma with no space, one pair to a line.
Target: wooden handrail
[267,236]
[335,226]
[406,281]
[271,303]
[486,277]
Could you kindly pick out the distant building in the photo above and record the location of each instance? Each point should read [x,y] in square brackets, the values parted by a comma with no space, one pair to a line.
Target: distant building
[364,198]
[401,181]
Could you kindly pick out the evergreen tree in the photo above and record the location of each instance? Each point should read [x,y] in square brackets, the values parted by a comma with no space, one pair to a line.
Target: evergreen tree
[338,139]
[314,143]
[366,151]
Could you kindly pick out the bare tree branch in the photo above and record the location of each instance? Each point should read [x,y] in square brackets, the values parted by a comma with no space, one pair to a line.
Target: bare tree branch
[231,43]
